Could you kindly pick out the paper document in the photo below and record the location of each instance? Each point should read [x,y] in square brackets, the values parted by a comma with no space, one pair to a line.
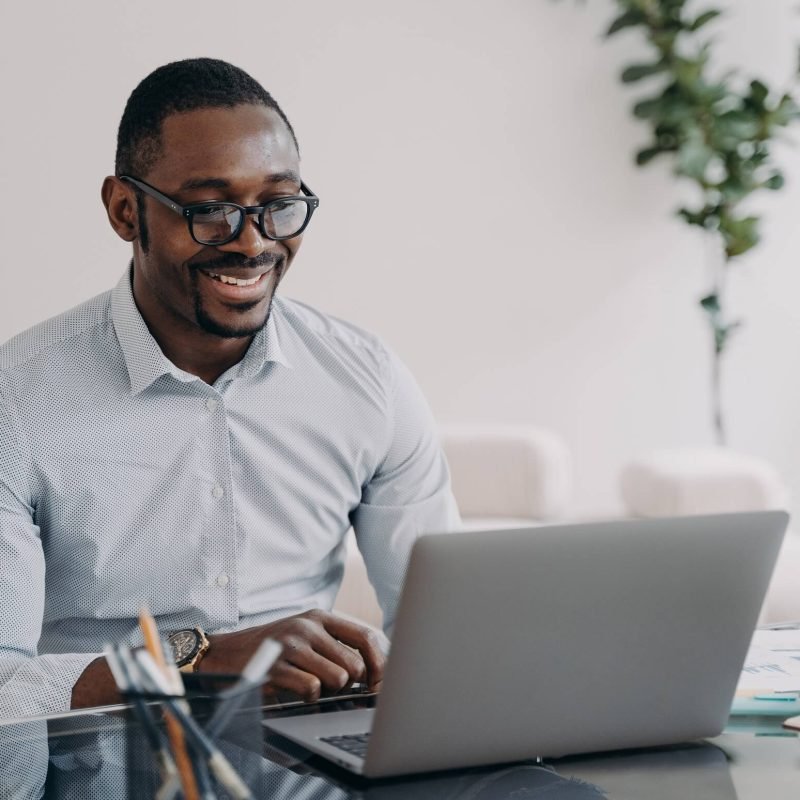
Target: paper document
[773,662]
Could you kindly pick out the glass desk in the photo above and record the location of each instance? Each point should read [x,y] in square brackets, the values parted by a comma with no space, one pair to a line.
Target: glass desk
[100,755]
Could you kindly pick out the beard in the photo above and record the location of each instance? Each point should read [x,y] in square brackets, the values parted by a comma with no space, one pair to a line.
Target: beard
[231,329]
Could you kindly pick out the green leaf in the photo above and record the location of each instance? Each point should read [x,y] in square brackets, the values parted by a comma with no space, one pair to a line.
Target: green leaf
[759,93]
[734,188]
[693,158]
[672,107]
[731,128]
[774,182]
[647,154]
[739,235]
[786,111]
[664,40]
[688,72]
[700,218]
[710,303]
[703,19]
[668,137]
[638,71]
[722,333]
[626,20]
[645,109]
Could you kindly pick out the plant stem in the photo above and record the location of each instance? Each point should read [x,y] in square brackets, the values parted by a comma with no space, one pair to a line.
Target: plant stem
[717,262]
[716,395]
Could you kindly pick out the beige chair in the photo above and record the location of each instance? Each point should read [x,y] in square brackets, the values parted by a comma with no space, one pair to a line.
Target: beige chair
[502,477]
[716,480]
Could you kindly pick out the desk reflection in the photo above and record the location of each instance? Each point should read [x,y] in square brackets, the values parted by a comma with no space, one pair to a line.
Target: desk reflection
[24,760]
[89,757]
[699,770]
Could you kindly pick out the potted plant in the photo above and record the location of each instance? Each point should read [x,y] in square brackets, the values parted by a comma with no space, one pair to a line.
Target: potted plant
[717,131]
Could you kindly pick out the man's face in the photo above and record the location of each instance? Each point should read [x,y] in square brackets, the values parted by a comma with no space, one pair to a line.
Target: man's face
[245,155]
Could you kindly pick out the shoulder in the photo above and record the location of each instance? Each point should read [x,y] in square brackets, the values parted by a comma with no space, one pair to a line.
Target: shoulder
[318,329]
[55,333]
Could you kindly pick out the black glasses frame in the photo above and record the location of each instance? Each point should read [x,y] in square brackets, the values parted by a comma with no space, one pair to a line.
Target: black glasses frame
[188,212]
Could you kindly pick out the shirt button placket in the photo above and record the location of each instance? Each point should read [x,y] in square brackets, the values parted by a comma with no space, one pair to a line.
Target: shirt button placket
[221,582]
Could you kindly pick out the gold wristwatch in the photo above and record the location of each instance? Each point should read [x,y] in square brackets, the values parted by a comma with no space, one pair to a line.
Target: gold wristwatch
[188,648]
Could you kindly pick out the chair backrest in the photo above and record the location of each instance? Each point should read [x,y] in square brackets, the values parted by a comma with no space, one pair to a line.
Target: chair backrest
[509,471]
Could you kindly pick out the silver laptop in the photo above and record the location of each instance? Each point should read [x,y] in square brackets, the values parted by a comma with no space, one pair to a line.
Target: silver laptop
[550,641]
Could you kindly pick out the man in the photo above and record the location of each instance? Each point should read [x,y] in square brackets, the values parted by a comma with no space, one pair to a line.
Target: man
[193,442]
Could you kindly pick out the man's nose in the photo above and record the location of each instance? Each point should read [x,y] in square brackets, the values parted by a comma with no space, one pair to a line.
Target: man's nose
[249,242]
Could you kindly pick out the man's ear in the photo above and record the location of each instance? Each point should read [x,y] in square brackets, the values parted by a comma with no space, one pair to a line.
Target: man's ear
[120,203]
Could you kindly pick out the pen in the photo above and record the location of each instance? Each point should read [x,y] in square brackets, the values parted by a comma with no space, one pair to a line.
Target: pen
[790,625]
[792,698]
[174,731]
[253,675]
[152,734]
[220,765]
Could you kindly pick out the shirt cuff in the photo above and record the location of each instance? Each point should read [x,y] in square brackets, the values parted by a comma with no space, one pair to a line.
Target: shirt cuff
[33,687]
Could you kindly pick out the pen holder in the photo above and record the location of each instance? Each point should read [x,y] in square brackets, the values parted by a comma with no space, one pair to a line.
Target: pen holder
[240,741]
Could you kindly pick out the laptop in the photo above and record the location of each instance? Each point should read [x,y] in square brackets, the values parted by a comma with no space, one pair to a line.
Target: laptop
[550,641]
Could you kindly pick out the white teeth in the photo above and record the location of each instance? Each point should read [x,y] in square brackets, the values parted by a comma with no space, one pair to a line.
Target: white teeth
[235,281]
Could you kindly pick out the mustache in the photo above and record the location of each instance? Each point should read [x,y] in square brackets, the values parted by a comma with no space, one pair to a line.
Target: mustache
[240,261]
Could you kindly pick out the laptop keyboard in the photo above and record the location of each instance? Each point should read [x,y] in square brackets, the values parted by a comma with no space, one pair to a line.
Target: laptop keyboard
[354,743]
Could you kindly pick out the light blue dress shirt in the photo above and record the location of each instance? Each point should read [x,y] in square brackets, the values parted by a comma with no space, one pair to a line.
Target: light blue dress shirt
[125,480]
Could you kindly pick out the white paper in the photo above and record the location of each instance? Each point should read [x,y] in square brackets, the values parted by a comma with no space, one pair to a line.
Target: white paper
[772,663]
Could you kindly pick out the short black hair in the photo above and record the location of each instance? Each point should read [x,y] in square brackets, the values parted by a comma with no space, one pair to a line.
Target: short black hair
[181,86]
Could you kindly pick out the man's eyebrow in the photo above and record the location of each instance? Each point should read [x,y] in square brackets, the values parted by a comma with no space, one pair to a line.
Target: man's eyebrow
[287,176]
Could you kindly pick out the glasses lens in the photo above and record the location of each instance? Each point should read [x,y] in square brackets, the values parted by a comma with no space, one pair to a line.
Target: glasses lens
[284,218]
[215,223]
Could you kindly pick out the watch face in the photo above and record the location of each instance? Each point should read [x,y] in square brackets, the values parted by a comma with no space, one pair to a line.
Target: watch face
[184,645]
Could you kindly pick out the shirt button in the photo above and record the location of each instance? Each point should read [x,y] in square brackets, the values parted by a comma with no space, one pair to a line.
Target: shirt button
[217,491]
[222,580]
[212,404]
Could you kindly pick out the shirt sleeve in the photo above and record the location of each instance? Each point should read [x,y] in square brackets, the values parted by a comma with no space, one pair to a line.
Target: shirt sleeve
[408,495]
[30,684]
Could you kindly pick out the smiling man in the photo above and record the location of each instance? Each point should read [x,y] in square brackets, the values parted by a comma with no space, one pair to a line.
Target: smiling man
[194,442]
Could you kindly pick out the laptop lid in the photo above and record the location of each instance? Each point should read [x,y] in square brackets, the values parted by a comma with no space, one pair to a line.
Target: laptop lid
[566,639]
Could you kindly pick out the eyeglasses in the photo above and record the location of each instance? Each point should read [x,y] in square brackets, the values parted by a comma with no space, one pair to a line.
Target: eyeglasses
[218,223]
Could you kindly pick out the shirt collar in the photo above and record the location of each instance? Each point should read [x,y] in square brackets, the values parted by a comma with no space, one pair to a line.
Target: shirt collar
[145,360]
[265,348]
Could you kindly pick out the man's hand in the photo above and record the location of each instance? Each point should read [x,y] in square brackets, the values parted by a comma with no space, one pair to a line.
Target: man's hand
[320,651]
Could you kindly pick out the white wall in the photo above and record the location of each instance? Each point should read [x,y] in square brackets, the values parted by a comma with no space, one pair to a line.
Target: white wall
[479,205]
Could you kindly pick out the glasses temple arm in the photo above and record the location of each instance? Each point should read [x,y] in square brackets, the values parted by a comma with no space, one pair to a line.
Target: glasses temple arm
[153,192]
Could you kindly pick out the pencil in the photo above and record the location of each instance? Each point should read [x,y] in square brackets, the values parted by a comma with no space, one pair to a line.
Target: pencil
[177,740]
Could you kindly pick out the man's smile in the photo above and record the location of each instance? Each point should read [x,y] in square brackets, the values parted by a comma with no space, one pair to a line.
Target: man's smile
[236,281]
[228,286]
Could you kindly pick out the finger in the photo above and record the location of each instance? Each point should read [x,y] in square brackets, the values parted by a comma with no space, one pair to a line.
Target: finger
[363,639]
[295,680]
[304,655]
[346,657]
